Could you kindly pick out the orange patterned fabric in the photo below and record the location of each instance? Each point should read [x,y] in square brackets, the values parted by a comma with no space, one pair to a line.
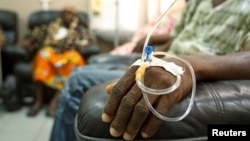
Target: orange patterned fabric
[53,69]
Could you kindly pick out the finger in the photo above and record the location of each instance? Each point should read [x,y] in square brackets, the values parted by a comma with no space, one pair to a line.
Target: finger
[118,91]
[125,110]
[140,114]
[164,80]
[164,103]
[141,110]
[152,124]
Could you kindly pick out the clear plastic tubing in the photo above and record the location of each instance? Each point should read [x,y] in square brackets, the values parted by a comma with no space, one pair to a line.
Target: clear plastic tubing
[146,90]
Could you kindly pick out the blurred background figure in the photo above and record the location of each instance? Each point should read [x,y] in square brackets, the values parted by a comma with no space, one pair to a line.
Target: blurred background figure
[57,49]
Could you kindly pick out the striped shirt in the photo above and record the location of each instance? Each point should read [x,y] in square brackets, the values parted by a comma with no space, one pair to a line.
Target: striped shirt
[204,29]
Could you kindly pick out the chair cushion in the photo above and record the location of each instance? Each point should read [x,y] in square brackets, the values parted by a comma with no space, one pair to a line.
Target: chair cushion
[9,22]
[220,102]
[8,19]
[45,17]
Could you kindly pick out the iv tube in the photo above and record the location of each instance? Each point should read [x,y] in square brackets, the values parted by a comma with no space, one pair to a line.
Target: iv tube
[172,88]
[151,108]
[154,27]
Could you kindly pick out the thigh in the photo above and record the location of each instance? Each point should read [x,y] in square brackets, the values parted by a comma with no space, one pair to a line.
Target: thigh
[78,83]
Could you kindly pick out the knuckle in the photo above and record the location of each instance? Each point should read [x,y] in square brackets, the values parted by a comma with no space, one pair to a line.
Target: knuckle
[109,109]
[153,126]
[117,89]
[163,111]
[141,110]
[128,102]
[177,96]
[163,78]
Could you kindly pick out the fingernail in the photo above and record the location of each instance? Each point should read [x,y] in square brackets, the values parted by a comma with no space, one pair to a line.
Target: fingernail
[114,133]
[105,118]
[144,135]
[126,136]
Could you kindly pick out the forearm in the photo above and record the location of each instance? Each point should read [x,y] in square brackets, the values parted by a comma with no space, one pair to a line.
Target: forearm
[160,39]
[235,66]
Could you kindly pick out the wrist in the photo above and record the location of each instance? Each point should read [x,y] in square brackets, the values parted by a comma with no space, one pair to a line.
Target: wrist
[193,61]
[198,65]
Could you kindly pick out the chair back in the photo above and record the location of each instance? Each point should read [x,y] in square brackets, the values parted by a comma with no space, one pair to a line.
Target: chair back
[45,17]
[9,23]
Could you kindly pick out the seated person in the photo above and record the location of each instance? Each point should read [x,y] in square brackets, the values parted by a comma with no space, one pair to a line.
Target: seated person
[58,46]
[201,30]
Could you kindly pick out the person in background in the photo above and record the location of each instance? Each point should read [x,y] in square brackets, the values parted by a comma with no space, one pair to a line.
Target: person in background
[208,30]
[56,47]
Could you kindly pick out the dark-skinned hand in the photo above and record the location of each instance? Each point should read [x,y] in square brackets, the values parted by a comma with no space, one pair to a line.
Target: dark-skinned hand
[126,110]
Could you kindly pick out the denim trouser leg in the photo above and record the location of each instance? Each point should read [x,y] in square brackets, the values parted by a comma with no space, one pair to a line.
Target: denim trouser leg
[78,83]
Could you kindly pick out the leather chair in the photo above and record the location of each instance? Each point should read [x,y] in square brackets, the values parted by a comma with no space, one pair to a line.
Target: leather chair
[22,69]
[9,23]
[217,102]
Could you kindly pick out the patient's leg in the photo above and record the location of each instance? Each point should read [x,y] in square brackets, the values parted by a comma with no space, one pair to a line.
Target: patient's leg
[78,83]
[53,103]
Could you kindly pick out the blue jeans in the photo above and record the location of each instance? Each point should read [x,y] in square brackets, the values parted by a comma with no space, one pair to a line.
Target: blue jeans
[78,83]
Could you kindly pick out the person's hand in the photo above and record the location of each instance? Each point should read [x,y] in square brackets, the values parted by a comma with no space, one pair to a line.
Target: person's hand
[27,44]
[126,110]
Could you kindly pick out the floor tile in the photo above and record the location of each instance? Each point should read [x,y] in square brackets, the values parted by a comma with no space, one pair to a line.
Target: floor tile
[24,135]
[17,126]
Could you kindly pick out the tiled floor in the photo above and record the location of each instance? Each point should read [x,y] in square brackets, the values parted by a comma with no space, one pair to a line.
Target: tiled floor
[16,126]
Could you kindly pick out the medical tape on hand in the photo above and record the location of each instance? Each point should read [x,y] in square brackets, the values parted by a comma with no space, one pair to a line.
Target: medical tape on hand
[167,66]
